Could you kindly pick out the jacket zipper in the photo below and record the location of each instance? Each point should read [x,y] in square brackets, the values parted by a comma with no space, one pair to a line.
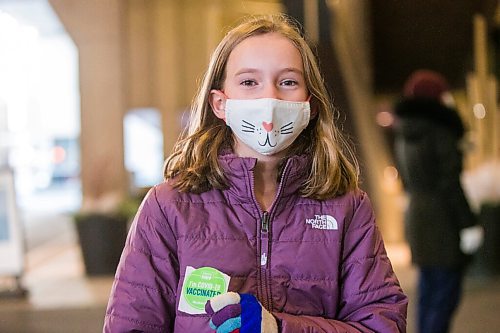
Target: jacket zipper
[264,255]
[264,244]
[263,286]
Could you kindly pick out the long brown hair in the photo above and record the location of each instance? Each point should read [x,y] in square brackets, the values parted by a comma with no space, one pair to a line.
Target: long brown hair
[194,161]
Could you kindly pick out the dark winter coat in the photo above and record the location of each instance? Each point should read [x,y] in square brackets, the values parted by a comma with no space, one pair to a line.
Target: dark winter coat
[430,163]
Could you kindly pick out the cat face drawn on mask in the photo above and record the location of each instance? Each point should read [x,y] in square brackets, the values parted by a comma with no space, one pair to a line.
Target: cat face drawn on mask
[267,125]
[267,135]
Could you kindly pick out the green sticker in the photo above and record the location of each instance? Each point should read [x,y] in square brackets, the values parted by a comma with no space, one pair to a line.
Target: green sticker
[203,284]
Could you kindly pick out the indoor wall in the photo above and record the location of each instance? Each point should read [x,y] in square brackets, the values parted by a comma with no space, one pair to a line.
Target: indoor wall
[139,54]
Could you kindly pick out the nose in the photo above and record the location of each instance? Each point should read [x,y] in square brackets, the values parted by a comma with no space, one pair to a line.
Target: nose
[271,91]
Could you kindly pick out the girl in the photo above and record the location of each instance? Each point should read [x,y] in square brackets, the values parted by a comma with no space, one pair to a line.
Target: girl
[260,208]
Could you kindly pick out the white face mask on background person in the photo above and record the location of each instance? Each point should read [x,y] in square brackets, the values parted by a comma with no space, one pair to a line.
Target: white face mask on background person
[267,125]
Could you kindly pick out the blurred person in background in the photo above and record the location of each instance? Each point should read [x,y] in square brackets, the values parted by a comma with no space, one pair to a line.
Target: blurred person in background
[439,223]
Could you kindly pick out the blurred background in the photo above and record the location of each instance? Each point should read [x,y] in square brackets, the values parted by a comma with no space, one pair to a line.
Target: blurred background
[94,93]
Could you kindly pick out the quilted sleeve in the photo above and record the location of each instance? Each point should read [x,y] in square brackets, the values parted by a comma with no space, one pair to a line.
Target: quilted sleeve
[371,297]
[143,295]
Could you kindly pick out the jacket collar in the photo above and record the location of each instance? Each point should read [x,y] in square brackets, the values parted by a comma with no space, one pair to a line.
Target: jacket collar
[240,176]
[432,110]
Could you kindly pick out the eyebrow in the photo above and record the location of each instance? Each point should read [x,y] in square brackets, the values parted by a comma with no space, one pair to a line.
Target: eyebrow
[292,69]
[284,70]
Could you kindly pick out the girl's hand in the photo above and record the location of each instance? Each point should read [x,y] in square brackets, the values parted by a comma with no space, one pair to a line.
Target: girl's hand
[233,312]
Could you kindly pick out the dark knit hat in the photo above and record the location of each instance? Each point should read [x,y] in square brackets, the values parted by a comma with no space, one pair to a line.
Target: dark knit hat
[425,84]
[424,96]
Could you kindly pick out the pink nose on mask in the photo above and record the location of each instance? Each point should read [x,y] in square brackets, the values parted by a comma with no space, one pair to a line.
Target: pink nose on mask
[267,126]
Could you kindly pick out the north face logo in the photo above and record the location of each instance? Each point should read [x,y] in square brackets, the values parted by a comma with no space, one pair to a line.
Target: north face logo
[325,222]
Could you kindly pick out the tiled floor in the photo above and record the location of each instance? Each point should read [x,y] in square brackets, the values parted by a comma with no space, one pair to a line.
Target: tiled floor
[478,311]
[62,299]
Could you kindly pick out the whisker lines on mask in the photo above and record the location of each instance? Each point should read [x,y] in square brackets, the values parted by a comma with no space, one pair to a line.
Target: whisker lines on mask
[248,127]
[287,128]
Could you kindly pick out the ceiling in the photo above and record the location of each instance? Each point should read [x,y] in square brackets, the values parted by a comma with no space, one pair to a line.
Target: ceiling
[406,34]
[413,34]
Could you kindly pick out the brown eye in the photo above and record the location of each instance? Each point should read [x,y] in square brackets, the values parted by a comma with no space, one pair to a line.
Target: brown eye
[248,83]
[289,83]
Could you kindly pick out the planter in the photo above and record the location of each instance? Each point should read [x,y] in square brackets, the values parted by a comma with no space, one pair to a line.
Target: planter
[486,261]
[102,239]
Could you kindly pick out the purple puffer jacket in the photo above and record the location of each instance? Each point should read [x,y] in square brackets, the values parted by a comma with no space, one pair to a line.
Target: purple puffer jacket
[318,266]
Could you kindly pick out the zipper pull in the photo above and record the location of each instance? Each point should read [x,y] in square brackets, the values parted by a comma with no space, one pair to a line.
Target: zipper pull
[264,223]
[263,259]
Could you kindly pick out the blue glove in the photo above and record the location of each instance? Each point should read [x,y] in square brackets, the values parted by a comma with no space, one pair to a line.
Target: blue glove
[232,313]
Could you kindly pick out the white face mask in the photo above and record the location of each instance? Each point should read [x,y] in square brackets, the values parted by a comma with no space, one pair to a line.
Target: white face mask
[267,125]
